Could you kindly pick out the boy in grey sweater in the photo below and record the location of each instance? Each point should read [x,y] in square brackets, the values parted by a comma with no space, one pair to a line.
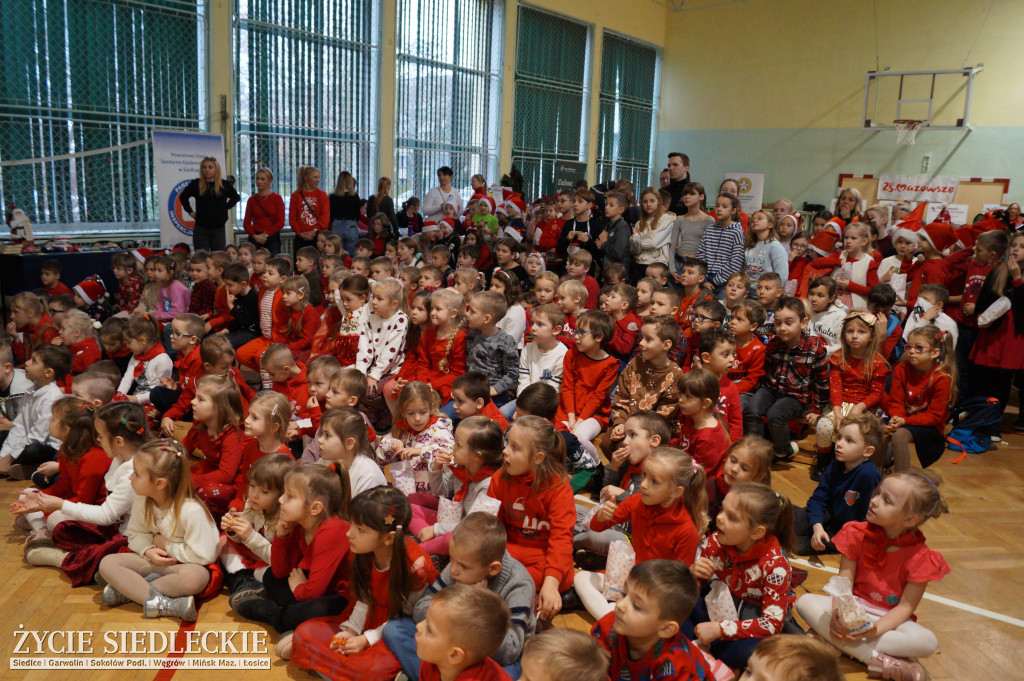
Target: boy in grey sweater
[490,350]
[478,556]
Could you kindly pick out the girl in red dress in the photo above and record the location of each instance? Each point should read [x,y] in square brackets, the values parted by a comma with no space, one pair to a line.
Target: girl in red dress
[389,571]
[703,433]
[217,435]
[889,566]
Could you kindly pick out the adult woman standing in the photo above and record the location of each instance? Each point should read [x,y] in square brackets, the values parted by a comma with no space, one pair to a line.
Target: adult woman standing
[309,210]
[381,202]
[264,214]
[344,204]
[433,202]
[214,197]
[848,205]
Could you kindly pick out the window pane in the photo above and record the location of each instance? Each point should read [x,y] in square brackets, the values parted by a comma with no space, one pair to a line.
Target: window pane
[88,80]
[448,99]
[628,110]
[552,95]
[307,91]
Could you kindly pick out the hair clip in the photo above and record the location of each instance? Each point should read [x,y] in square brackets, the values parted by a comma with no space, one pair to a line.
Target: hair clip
[273,412]
[696,466]
[88,408]
[778,496]
[124,422]
[389,519]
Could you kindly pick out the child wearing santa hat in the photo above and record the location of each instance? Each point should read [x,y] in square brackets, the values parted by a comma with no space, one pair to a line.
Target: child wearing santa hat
[484,220]
[854,270]
[90,297]
[933,240]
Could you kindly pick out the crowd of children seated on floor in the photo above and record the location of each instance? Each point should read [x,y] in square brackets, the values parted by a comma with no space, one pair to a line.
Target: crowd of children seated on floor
[384,455]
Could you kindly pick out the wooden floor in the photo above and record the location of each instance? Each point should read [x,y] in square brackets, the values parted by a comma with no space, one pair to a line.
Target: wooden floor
[981,540]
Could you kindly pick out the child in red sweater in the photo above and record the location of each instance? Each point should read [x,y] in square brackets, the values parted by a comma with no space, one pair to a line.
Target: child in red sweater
[80,463]
[745,553]
[78,334]
[854,270]
[303,317]
[621,303]
[923,386]
[217,435]
[537,508]
[589,372]
[663,519]
[749,365]
[463,626]
[471,393]
[30,319]
[311,537]
[289,378]
[933,268]
[703,433]
[578,268]
[49,275]
[645,636]
[265,427]
[546,234]
[856,381]
[385,562]
[440,355]
[718,355]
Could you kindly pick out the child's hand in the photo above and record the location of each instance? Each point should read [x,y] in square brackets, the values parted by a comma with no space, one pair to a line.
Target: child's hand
[296,578]
[159,557]
[352,646]
[819,537]
[12,329]
[571,422]
[49,468]
[842,283]
[47,502]
[371,383]
[167,426]
[607,511]
[341,638]
[1013,269]
[703,569]
[837,416]
[549,601]
[611,492]
[897,422]
[444,457]
[283,528]
[169,383]
[887,276]
[5,423]
[410,453]
[59,340]
[292,432]
[708,632]
[312,402]
[619,457]
[812,419]
[619,432]
[426,534]
[207,328]
[932,312]
[241,527]
[968,308]
[28,504]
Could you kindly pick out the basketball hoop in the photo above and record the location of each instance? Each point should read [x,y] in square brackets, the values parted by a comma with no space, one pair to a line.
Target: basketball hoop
[906,130]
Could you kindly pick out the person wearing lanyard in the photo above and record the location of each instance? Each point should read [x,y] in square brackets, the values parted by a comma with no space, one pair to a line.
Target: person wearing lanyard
[433,202]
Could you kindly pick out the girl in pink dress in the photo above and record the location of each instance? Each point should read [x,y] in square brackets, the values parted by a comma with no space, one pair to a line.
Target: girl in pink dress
[889,566]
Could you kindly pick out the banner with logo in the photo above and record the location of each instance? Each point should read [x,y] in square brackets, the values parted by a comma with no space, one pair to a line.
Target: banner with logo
[176,158]
[940,189]
[957,213]
[751,190]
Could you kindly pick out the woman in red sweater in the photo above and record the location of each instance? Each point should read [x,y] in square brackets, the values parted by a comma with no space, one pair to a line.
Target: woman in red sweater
[309,210]
[537,508]
[264,214]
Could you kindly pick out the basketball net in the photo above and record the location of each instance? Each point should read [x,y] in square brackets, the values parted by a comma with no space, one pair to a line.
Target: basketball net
[906,131]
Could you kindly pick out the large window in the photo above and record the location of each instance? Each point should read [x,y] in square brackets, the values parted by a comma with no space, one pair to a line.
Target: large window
[83,85]
[628,100]
[552,96]
[448,92]
[307,90]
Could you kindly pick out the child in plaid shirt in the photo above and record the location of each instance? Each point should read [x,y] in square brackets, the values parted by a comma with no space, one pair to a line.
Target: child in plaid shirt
[795,382]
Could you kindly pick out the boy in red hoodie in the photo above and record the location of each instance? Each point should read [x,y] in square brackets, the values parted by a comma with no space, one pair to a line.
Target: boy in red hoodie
[621,301]
[471,393]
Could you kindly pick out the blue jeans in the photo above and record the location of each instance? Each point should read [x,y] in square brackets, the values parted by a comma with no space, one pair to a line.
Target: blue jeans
[778,409]
[348,230]
[508,410]
[400,638]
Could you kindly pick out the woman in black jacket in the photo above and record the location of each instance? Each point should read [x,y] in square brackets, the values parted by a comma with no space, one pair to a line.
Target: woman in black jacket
[213,197]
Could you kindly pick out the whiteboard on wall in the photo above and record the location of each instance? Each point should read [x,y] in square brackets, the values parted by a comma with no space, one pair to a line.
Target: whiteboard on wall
[973,192]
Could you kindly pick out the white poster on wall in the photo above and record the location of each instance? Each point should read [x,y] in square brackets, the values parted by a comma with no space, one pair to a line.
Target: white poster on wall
[751,190]
[941,189]
[989,207]
[176,158]
[957,212]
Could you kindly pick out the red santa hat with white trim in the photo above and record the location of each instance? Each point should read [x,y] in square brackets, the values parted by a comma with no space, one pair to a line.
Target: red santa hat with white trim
[515,203]
[911,224]
[824,242]
[142,253]
[448,221]
[836,225]
[90,290]
[488,200]
[940,235]
[430,226]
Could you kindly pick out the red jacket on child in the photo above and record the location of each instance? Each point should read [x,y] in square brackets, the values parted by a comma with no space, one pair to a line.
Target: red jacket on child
[32,335]
[919,399]
[749,366]
[304,324]
[585,388]
[849,382]
[221,310]
[625,336]
[658,532]
[323,557]
[729,407]
[424,364]
[296,389]
[222,455]
[539,524]
[84,354]
[674,658]
[706,446]
[81,480]
[251,453]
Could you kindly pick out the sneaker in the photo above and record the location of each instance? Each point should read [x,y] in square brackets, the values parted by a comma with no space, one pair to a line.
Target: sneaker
[244,591]
[49,556]
[113,598]
[997,438]
[283,649]
[37,538]
[258,609]
[891,668]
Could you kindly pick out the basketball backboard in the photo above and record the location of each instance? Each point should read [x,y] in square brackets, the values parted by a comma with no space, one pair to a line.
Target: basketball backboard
[940,99]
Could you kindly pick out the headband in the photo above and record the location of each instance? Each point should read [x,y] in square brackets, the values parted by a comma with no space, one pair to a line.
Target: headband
[934,487]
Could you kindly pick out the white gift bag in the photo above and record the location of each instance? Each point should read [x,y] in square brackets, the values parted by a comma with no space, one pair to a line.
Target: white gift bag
[851,614]
[621,559]
[403,477]
[485,504]
[721,607]
[449,513]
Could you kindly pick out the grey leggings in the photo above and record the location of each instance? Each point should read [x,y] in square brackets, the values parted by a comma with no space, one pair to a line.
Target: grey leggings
[127,572]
